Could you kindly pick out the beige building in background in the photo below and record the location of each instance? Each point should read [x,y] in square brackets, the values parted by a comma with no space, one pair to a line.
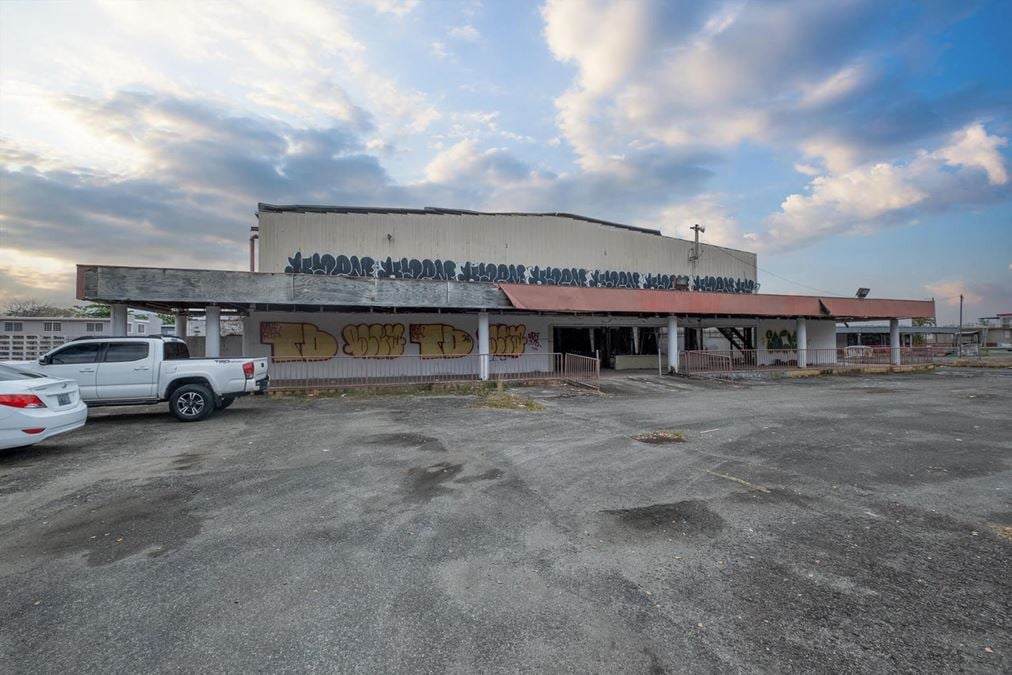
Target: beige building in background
[23,338]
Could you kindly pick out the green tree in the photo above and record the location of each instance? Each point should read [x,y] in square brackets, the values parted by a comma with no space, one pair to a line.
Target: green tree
[92,310]
[33,307]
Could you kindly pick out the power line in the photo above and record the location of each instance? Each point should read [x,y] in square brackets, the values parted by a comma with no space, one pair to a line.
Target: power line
[782,278]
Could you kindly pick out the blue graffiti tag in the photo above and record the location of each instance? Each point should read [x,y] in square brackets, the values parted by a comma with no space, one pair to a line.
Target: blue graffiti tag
[448,270]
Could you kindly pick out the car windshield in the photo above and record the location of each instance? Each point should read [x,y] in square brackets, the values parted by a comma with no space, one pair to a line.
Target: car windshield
[7,374]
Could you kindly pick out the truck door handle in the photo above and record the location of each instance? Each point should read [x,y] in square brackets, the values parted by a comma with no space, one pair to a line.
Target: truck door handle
[142,368]
[87,370]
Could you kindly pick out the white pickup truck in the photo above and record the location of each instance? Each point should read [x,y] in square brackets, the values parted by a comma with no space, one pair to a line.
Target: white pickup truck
[142,371]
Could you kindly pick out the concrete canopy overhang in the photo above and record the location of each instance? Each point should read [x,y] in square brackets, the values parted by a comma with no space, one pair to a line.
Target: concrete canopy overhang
[170,289]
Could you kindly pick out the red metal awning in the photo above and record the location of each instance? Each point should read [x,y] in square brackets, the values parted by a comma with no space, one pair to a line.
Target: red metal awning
[637,301]
[867,308]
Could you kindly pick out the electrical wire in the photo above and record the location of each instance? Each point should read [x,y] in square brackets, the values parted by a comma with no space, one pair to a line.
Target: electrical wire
[774,274]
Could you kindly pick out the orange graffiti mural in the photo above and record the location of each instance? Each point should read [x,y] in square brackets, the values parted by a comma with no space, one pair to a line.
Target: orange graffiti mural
[297,340]
[439,339]
[374,339]
[506,340]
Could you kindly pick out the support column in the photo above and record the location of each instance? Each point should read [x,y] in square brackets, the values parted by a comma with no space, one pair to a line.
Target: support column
[180,329]
[802,340]
[672,344]
[119,320]
[636,339]
[212,332]
[483,350]
[894,342]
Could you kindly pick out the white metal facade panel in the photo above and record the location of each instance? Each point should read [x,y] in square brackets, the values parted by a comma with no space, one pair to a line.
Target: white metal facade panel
[529,240]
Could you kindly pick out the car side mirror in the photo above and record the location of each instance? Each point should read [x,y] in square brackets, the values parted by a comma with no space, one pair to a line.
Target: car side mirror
[44,361]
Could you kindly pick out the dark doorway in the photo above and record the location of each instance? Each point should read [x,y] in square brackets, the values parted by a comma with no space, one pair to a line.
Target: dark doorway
[573,340]
[604,343]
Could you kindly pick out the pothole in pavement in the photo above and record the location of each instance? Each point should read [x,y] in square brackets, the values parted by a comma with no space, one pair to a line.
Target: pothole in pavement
[407,440]
[689,517]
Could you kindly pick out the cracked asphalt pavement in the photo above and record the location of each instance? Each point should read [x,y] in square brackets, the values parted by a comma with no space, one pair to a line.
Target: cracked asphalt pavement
[844,524]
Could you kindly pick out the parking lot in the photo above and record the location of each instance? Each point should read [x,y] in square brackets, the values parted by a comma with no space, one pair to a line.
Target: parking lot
[835,523]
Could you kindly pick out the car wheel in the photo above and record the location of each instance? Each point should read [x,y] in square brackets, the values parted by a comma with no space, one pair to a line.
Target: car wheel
[192,403]
[225,401]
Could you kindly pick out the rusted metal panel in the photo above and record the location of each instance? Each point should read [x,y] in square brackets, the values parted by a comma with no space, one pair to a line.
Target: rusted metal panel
[574,299]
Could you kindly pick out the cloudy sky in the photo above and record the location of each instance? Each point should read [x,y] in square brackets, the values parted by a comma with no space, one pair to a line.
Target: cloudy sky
[850,142]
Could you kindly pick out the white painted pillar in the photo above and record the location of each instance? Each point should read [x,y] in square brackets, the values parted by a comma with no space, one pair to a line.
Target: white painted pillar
[212,332]
[119,320]
[636,339]
[483,349]
[180,329]
[802,340]
[672,344]
[894,341]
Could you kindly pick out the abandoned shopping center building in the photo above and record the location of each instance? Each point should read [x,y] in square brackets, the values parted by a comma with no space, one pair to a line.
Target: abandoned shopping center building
[340,293]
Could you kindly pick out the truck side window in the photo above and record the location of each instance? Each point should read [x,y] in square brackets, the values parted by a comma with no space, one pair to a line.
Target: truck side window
[176,350]
[125,351]
[82,353]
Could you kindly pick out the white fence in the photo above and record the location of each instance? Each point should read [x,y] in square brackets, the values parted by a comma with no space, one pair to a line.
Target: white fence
[371,371]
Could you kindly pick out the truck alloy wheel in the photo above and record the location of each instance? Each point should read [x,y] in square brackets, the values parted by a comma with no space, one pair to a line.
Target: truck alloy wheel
[192,403]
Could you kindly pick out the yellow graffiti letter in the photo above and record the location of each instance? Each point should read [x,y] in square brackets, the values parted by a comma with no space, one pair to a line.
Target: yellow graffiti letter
[505,340]
[297,340]
[377,339]
[437,339]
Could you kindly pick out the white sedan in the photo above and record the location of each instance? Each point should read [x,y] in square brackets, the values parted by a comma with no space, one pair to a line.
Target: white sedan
[34,407]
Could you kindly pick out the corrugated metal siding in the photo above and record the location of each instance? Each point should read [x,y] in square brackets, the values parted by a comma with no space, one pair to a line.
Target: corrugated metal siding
[500,239]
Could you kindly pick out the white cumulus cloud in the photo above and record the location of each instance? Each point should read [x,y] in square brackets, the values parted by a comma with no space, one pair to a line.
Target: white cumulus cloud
[467,32]
[882,194]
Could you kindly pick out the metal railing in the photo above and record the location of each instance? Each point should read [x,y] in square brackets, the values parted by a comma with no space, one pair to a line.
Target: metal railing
[585,370]
[758,360]
[295,374]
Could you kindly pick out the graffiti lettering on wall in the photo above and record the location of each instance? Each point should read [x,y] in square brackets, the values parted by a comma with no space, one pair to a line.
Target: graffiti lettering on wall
[297,340]
[724,285]
[438,339]
[449,270]
[785,339]
[387,340]
[374,339]
[507,341]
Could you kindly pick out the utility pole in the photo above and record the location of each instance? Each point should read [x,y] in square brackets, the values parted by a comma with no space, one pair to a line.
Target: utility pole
[694,256]
[959,335]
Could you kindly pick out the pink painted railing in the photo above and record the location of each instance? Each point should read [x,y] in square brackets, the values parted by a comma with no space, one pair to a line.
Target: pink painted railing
[585,370]
[756,360]
[293,374]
